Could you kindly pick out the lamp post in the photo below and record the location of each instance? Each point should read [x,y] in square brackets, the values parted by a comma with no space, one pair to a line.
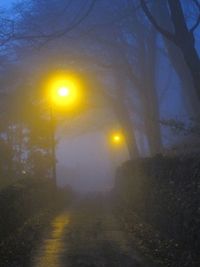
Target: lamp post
[117,146]
[53,144]
[63,95]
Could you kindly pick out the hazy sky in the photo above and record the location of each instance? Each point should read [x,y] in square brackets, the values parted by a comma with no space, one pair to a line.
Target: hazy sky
[87,163]
[84,162]
[6,2]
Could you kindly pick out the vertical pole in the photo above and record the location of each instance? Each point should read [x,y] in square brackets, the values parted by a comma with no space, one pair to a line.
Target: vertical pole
[53,145]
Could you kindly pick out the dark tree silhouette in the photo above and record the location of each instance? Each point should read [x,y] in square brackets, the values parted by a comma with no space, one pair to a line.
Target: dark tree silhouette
[182,36]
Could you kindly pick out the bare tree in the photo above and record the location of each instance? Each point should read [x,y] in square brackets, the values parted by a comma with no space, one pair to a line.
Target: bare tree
[177,60]
[182,36]
[27,28]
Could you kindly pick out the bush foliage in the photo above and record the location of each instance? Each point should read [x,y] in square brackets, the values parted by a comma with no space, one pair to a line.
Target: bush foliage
[27,208]
[158,202]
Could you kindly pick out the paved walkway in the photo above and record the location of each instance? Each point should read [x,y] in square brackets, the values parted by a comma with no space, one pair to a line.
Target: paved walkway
[85,237]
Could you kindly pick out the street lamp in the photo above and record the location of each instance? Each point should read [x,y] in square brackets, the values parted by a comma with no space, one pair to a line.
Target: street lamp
[63,93]
[117,147]
[117,138]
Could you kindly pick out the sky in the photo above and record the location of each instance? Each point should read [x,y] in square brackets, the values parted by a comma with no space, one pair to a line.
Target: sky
[6,3]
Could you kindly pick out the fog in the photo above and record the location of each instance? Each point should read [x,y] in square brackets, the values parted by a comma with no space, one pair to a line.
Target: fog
[99,133]
[87,163]
[125,72]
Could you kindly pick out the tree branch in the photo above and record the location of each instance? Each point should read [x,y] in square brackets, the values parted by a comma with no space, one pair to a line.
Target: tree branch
[54,35]
[198,19]
[165,33]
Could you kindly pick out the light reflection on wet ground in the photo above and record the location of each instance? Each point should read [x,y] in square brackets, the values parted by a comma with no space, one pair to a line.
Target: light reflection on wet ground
[85,237]
[53,246]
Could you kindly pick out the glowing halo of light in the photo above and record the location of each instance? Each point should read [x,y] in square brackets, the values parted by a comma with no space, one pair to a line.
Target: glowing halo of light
[64,91]
[117,138]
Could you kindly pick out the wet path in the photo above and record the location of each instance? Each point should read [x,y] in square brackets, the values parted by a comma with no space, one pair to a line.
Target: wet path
[52,248]
[85,237]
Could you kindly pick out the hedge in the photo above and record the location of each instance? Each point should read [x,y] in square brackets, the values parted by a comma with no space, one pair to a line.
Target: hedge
[158,201]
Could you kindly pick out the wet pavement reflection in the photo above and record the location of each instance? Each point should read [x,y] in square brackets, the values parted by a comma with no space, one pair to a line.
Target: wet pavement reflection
[85,237]
[53,246]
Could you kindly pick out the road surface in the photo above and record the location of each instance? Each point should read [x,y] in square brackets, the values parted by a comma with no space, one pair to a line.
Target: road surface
[85,236]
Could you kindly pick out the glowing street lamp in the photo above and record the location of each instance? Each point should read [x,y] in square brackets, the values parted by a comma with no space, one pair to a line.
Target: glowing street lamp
[63,93]
[117,138]
[117,146]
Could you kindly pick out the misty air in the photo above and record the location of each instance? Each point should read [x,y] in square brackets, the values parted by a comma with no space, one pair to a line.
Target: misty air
[100,133]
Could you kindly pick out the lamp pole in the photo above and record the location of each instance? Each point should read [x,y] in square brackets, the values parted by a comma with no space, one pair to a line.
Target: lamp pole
[53,144]
[63,92]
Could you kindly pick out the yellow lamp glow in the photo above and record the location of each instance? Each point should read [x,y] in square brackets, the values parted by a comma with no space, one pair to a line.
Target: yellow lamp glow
[117,138]
[63,91]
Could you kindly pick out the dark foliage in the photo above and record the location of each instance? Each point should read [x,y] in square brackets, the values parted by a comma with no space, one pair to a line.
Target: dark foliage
[22,200]
[158,202]
[16,250]
[26,210]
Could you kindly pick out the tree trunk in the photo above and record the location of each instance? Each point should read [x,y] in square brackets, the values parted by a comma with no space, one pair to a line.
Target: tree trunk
[123,115]
[147,56]
[190,97]
[152,116]
[126,123]
[185,41]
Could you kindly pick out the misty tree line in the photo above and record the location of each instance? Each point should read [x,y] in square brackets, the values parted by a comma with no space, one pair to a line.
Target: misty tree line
[133,51]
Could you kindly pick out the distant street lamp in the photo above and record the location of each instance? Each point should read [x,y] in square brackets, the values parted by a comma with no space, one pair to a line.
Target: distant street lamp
[64,94]
[117,147]
[117,138]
